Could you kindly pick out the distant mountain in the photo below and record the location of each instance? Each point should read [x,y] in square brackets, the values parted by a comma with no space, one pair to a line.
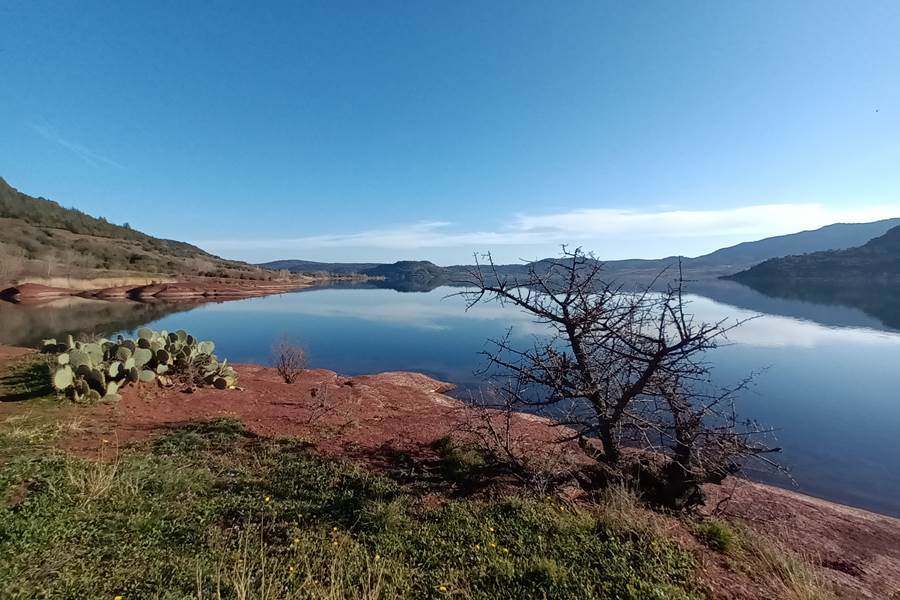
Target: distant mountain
[425,275]
[40,237]
[309,266]
[831,237]
[877,261]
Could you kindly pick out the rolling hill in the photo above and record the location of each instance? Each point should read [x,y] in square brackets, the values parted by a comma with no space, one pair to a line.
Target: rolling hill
[42,238]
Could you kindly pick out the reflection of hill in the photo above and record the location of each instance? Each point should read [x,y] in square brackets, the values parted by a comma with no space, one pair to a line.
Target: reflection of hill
[833,304]
[26,325]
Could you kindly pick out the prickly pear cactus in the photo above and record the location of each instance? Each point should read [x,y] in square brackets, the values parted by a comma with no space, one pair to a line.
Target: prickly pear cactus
[99,369]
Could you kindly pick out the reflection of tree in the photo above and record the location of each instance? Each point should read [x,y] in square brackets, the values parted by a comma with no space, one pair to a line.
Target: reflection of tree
[881,301]
[26,325]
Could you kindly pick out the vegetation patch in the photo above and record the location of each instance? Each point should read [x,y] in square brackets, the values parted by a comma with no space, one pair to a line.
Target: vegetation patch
[459,463]
[209,511]
[717,535]
[96,370]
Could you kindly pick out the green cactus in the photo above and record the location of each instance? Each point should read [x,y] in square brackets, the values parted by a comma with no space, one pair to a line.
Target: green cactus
[63,378]
[141,357]
[78,358]
[94,351]
[90,371]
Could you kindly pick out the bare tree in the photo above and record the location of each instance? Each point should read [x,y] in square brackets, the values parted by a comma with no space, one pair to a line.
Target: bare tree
[627,367]
[289,359]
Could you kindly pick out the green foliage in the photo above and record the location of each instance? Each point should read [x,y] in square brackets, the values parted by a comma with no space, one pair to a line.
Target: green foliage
[459,463]
[209,507]
[90,371]
[717,535]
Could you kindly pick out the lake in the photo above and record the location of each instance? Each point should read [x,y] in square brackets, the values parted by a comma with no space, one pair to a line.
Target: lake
[829,379]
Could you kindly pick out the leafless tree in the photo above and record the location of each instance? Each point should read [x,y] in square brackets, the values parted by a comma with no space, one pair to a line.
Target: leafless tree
[626,366]
[289,359]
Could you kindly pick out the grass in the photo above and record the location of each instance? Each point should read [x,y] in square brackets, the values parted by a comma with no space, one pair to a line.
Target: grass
[717,535]
[459,464]
[209,511]
[26,378]
[791,575]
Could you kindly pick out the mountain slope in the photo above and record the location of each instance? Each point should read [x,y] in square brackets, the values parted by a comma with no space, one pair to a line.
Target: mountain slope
[40,237]
[721,262]
[876,261]
[838,236]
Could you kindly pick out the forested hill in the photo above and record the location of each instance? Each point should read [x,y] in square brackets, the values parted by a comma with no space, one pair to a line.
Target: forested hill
[42,237]
[876,261]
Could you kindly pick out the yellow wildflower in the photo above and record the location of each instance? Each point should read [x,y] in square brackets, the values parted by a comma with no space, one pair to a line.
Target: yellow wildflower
[442,588]
[334,528]
[493,545]
[491,529]
[377,557]
[266,499]
[117,597]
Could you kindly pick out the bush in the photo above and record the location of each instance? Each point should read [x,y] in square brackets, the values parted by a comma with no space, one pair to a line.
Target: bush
[289,359]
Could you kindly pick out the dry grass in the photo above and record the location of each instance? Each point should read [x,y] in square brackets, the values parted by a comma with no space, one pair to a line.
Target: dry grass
[257,572]
[31,429]
[790,575]
[94,479]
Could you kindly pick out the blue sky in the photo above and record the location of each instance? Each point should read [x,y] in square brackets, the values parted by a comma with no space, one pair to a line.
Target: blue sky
[389,130]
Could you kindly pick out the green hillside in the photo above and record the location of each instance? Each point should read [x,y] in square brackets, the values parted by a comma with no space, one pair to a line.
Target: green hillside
[42,238]
[876,261]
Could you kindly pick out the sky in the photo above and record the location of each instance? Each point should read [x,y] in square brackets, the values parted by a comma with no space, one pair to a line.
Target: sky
[379,131]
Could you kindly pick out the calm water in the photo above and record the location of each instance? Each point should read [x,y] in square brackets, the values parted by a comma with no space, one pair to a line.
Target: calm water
[830,381]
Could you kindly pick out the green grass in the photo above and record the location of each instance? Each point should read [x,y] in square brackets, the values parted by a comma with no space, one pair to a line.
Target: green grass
[459,464]
[26,378]
[209,511]
[717,535]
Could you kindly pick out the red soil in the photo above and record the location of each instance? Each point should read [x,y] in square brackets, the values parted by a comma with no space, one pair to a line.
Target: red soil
[13,351]
[380,418]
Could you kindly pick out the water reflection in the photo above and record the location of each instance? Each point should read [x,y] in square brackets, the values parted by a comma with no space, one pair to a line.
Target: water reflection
[874,305]
[28,324]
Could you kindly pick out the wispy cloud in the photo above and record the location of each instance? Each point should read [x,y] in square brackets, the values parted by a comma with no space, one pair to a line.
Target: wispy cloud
[749,222]
[50,134]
